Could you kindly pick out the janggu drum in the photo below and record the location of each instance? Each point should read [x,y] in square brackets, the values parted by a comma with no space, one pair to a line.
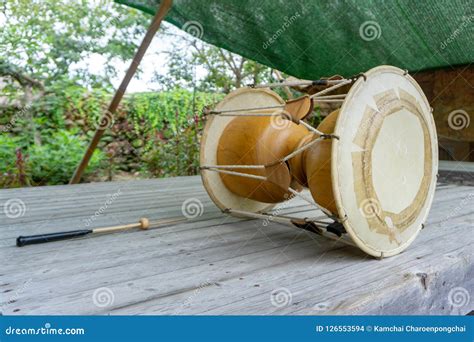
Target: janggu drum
[370,166]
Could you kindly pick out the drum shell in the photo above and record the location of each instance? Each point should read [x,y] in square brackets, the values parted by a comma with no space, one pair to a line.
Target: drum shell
[317,166]
[259,141]
[384,131]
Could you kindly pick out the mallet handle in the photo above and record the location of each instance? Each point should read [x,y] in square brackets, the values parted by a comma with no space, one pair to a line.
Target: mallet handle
[143,224]
[42,238]
[116,228]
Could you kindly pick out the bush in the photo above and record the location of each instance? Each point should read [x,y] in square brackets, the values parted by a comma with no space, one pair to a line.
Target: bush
[53,162]
[174,153]
[12,163]
[156,133]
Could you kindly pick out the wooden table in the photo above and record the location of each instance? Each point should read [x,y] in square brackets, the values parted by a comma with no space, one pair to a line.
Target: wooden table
[216,264]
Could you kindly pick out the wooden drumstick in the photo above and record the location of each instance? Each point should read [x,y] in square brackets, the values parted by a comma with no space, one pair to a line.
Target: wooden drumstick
[143,224]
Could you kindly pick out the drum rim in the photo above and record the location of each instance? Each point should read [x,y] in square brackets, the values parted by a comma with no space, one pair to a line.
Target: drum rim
[335,174]
[204,174]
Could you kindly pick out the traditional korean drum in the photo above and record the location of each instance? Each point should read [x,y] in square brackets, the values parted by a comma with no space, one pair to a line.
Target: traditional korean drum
[370,165]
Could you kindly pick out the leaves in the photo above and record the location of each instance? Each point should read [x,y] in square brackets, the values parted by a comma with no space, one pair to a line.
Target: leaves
[52,38]
[51,163]
[222,70]
[46,48]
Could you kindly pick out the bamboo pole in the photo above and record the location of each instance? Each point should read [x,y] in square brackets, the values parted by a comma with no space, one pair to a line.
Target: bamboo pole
[165,5]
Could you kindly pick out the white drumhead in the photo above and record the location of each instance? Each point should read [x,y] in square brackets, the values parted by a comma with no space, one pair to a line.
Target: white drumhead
[238,99]
[385,162]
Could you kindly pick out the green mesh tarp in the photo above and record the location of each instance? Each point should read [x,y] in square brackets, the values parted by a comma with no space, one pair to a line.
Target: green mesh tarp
[313,38]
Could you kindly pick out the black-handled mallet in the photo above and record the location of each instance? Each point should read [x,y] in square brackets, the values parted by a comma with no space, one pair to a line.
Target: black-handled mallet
[143,224]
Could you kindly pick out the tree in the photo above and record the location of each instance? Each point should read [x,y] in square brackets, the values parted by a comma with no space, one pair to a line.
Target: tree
[32,91]
[44,45]
[223,71]
[48,39]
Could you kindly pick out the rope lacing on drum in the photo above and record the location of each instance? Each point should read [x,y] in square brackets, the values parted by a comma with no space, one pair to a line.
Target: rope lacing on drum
[357,76]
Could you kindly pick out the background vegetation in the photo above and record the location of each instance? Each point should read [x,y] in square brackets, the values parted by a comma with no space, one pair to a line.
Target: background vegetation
[52,96]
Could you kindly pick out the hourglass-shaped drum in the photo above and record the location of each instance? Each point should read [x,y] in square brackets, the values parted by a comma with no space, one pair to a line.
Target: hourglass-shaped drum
[370,165]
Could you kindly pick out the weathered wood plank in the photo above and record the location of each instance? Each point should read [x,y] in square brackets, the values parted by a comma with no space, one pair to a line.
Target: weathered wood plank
[285,269]
[154,207]
[216,264]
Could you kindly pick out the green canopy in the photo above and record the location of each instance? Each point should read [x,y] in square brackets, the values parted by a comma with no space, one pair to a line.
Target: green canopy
[313,38]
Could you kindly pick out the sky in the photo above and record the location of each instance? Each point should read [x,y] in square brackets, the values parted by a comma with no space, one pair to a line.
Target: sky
[155,60]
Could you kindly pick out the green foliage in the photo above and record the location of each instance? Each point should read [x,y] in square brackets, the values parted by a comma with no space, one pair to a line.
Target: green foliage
[156,134]
[169,110]
[71,105]
[175,153]
[224,71]
[55,98]
[52,39]
[8,146]
[53,162]
[163,129]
